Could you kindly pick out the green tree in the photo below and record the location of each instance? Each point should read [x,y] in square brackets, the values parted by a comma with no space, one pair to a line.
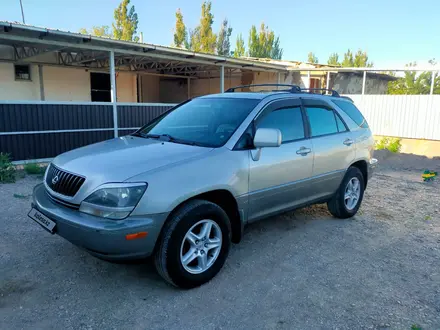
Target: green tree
[333,59]
[311,58]
[263,44]
[414,83]
[361,60]
[348,59]
[97,31]
[223,42]
[126,22]
[202,38]
[180,33]
[239,47]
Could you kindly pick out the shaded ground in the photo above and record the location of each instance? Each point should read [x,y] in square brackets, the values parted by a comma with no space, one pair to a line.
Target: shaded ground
[302,270]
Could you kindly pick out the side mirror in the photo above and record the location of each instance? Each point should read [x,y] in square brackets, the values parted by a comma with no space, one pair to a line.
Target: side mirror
[267,137]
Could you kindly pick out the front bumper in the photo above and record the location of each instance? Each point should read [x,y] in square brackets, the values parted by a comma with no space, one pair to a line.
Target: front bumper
[104,238]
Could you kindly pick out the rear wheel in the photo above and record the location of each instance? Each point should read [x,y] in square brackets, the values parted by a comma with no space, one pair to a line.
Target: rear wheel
[194,244]
[348,198]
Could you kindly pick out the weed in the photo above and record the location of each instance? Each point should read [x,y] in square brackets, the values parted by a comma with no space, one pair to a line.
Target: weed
[392,144]
[416,327]
[382,143]
[21,196]
[33,168]
[427,217]
[7,170]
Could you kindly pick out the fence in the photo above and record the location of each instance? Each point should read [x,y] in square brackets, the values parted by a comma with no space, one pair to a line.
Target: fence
[40,130]
[405,116]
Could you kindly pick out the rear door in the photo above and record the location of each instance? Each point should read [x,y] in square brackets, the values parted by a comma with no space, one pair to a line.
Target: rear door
[333,146]
[278,180]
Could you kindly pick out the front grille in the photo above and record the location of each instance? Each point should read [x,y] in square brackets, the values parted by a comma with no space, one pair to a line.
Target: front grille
[63,182]
[60,201]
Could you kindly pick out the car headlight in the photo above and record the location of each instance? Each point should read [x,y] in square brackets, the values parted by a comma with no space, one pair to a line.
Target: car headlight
[113,200]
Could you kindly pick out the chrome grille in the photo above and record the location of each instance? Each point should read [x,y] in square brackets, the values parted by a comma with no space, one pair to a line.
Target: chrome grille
[63,182]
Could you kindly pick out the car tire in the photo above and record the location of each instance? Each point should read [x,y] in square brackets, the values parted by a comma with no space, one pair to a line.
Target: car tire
[175,243]
[340,205]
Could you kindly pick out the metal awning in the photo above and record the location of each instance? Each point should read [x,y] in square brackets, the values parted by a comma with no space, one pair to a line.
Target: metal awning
[78,50]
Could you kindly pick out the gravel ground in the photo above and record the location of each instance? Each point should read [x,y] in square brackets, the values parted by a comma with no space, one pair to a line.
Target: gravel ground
[300,270]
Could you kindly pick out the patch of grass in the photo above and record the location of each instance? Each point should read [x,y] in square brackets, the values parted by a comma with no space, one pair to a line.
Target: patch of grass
[21,196]
[392,144]
[395,145]
[33,168]
[7,170]
[427,217]
[416,327]
[382,143]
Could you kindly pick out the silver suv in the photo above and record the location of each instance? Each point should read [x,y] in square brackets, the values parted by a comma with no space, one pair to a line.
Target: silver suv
[182,187]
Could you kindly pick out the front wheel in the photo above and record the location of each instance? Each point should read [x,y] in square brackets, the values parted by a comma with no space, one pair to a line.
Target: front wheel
[348,198]
[194,244]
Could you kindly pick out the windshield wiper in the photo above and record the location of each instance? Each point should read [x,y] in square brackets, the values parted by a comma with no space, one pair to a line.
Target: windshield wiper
[169,138]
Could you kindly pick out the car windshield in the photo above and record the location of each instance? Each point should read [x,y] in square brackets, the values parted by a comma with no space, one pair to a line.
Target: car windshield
[206,122]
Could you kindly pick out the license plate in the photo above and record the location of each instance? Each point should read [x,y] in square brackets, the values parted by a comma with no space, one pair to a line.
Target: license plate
[41,219]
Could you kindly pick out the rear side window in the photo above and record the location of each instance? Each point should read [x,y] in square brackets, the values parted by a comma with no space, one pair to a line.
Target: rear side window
[353,112]
[322,121]
[288,120]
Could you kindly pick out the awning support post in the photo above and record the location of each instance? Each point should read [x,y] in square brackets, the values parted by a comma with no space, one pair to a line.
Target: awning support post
[222,79]
[364,80]
[328,79]
[113,92]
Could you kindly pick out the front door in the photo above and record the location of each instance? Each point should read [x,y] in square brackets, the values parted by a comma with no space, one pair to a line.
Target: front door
[278,179]
[333,147]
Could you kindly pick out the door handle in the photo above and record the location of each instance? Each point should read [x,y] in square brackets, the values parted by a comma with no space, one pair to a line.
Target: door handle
[303,151]
[348,142]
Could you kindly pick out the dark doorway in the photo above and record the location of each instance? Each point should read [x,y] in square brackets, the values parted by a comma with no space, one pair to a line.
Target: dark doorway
[100,87]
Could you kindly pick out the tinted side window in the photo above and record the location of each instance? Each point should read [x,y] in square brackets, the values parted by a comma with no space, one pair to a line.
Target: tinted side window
[341,126]
[322,121]
[353,112]
[289,121]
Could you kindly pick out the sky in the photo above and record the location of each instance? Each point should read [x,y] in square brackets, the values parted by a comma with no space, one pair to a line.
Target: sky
[393,32]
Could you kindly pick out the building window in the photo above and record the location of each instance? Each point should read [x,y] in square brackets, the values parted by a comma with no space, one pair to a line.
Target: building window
[100,87]
[22,72]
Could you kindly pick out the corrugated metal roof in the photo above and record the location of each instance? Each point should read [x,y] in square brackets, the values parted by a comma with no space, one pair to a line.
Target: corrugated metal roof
[17,32]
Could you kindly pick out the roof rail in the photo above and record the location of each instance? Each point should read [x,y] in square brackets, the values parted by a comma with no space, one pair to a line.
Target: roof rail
[323,90]
[292,88]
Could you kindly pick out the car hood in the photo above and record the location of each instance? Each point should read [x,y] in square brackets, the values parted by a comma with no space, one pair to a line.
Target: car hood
[119,159]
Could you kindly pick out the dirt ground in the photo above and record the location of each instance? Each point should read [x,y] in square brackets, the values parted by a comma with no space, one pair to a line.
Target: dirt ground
[299,270]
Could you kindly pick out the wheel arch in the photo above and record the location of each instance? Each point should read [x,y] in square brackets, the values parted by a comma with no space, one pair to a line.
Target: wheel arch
[362,165]
[226,200]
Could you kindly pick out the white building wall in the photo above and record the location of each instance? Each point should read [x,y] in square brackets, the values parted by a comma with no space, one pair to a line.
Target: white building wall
[64,84]
[11,89]
[126,87]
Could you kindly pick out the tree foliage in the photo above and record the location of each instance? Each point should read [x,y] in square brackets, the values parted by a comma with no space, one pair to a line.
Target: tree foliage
[126,22]
[263,44]
[202,38]
[414,83]
[348,60]
[240,49]
[360,59]
[180,33]
[223,42]
[311,58]
[333,59]
[97,31]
